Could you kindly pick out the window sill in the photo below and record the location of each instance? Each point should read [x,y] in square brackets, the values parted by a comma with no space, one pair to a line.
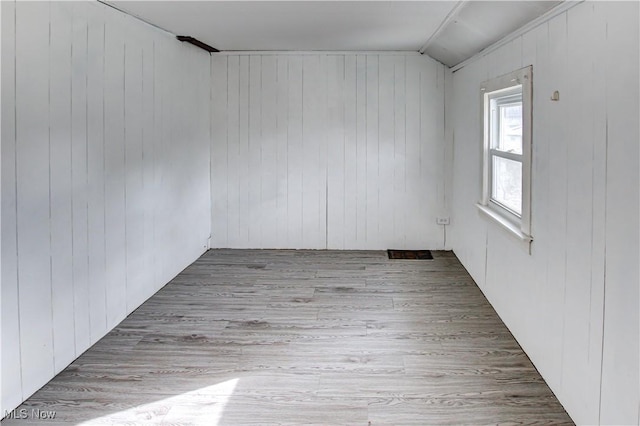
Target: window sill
[513,229]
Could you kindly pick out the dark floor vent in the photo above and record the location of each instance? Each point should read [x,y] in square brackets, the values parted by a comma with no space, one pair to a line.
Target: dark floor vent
[410,254]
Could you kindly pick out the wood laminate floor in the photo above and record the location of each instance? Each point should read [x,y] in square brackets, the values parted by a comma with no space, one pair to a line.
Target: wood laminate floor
[306,337]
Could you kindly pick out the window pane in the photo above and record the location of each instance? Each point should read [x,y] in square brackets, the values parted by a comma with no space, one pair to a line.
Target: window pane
[507,183]
[510,129]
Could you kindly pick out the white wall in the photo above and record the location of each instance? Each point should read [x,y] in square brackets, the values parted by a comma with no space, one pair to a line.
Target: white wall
[573,302]
[105,177]
[321,150]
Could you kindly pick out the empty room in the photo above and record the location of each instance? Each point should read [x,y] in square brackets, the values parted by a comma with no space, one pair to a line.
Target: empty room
[320,212]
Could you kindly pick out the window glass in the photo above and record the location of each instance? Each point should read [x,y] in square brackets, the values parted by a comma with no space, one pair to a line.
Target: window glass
[506,123]
[510,133]
[507,184]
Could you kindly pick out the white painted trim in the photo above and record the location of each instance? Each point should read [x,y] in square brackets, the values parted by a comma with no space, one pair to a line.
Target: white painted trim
[318,52]
[453,13]
[503,85]
[550,14]
[512,228]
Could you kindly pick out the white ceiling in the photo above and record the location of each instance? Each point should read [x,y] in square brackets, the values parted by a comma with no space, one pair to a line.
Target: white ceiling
[450,31]
[479,24]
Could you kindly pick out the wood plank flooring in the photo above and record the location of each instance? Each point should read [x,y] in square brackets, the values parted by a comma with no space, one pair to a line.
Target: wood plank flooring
[261,337]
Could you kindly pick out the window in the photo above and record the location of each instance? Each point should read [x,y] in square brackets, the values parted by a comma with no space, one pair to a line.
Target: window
[506,183]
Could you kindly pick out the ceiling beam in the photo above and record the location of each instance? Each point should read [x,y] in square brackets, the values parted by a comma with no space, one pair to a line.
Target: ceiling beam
[549,14]
[453,13]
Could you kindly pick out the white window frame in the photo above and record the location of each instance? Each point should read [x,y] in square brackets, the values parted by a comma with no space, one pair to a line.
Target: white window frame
[517,225]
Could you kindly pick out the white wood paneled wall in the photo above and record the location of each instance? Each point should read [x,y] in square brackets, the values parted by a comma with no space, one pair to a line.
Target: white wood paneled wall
[105,177]
[338,151]
[573,302]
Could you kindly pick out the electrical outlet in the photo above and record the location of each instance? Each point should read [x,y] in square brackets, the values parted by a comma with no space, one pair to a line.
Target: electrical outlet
[442,220]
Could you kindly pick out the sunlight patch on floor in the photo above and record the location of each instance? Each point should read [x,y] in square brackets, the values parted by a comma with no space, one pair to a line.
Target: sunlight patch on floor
[201,406]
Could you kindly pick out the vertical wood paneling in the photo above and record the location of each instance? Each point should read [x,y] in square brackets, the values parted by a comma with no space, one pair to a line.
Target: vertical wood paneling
[449,137]
[170,95]
[399,155]
[79,57]
[161,90]
[191,227]
[469,242]
[313,149]
[282,150]
[425,80]
[166,97]
[361,152]
[199,97]
[134,196]
[372,148]
[350,176]
[33,194]
[60,101]
[334,152]
[268,149]
[221,151]
[243,153]
[159,93]
[439,116]
[112,125]
[529,51]
[255,147]
[412,222]
[231,234]
[555,299]
[381,176]
[557,186]
[550,284]
[433,116]
[184,166]
[11,383]
[620,390]
[335,148]
[95,175]
[581,366]
[598,128]
[319,120]
[149,193]
[114,161]
[295,164]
